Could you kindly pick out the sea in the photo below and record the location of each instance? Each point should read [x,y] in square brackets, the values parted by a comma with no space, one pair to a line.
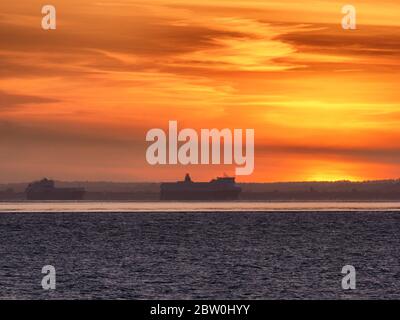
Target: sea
[200,250]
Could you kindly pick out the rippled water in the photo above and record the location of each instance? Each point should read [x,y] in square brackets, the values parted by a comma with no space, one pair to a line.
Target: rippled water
[221,255]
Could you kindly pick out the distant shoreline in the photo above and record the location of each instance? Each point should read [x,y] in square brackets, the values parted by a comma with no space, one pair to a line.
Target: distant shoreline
[368,191]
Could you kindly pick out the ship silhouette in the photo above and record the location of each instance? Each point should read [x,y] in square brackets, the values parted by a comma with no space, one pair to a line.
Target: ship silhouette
[45,189]
[222,188]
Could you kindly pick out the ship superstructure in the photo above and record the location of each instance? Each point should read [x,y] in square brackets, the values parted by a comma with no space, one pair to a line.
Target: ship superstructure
[45,189]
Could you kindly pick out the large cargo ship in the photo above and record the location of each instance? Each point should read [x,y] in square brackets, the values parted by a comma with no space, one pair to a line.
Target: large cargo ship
[45,190]
[217,189]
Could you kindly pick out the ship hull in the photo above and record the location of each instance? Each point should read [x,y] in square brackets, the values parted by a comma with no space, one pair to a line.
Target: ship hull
[217,189]
[55,195]
[222,195]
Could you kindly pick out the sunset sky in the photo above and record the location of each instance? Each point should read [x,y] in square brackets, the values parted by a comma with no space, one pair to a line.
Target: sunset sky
[76,102]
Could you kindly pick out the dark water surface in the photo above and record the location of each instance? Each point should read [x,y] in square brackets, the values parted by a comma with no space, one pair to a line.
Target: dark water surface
[221,255]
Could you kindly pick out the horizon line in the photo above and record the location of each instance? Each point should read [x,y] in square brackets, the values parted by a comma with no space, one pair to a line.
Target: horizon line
[247,182]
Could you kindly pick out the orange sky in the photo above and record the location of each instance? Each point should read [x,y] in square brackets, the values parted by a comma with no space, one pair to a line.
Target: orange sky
[76,102]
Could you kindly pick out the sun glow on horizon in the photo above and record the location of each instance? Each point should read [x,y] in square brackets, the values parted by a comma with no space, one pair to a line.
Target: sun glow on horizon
[332,177]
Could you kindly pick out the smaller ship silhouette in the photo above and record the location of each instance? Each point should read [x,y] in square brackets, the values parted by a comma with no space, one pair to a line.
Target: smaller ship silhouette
[45,190]
[222,188]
